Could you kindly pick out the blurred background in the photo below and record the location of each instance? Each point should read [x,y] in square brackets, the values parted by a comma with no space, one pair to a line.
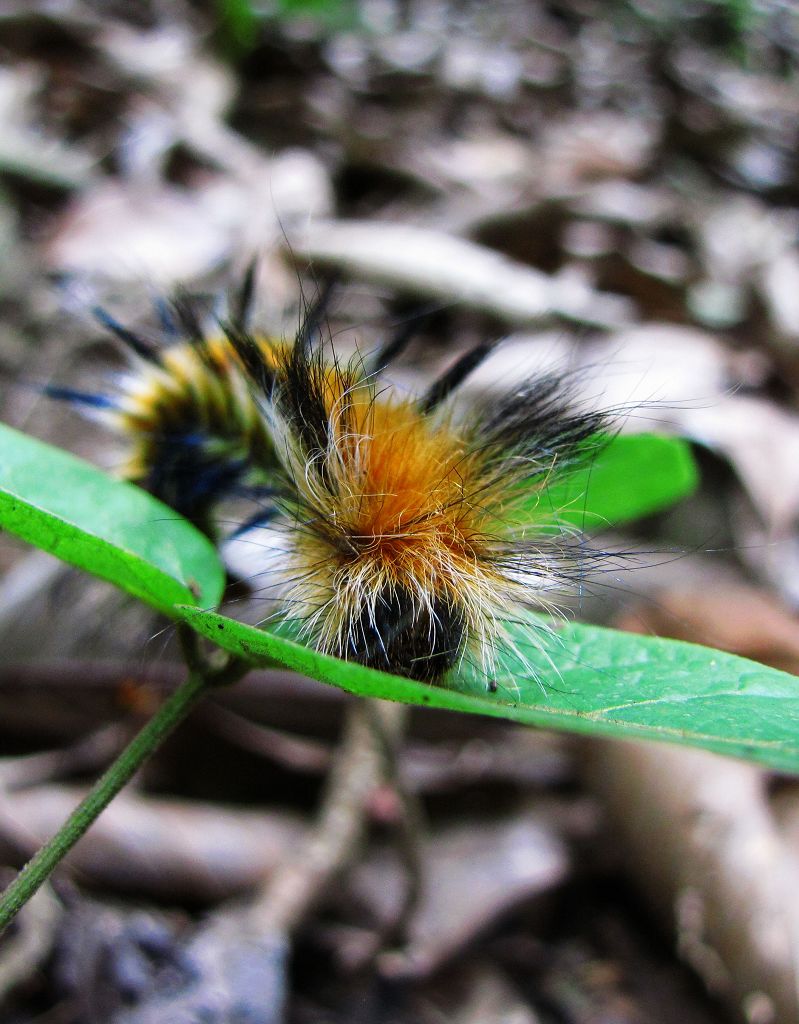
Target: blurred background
[611,186]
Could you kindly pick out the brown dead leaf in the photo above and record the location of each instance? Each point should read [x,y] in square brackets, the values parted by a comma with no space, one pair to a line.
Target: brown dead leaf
[588,147]
[161,233]
[434,263]
[498,865]
[172,848]
[761,441]
[25,148]
[741,619]
[702,837]
[168,235]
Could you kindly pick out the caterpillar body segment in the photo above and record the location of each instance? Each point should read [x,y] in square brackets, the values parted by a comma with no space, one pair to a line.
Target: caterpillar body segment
[396,532]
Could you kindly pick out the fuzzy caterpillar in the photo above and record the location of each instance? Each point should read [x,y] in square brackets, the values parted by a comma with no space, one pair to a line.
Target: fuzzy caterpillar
[398,535]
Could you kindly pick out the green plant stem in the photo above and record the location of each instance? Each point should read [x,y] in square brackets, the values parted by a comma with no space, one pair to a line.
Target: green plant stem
[38,869]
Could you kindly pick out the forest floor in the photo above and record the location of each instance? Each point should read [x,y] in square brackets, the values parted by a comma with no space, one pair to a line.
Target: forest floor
[612,186]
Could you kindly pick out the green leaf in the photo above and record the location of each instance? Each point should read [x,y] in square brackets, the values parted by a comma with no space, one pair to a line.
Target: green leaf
[112,529]
[238,24]
[238,21]
[339,14]
[631,475]
[580,678]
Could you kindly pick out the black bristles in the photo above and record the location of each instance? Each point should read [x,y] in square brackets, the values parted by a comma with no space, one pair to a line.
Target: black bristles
[303,399]
[188,476]
[263,517]
[313,318]
[184,308]
[249,352]
[143,348]
[165,317]
[243,301]
[186,311]
[455,375]
[541,421]
[86,398]
[394,347]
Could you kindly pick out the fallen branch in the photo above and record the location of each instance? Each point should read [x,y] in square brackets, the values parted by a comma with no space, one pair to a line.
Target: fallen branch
[456,270]
[357,769]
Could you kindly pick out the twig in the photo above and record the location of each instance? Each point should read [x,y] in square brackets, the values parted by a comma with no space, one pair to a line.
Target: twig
[433,263]
[21,956]
[725,877]
[195,852]
[411,831]
[357,768]
[93,751]
[202,676]
[294,752]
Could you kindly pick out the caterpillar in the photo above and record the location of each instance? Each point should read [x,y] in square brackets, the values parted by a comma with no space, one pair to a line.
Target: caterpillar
[193,432]
[396,533]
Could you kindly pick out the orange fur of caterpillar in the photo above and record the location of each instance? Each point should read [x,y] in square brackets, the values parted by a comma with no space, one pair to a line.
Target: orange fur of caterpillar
[411,509]
[398,542]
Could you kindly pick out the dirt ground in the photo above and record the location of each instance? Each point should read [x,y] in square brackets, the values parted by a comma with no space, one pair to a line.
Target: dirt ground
[612,186]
